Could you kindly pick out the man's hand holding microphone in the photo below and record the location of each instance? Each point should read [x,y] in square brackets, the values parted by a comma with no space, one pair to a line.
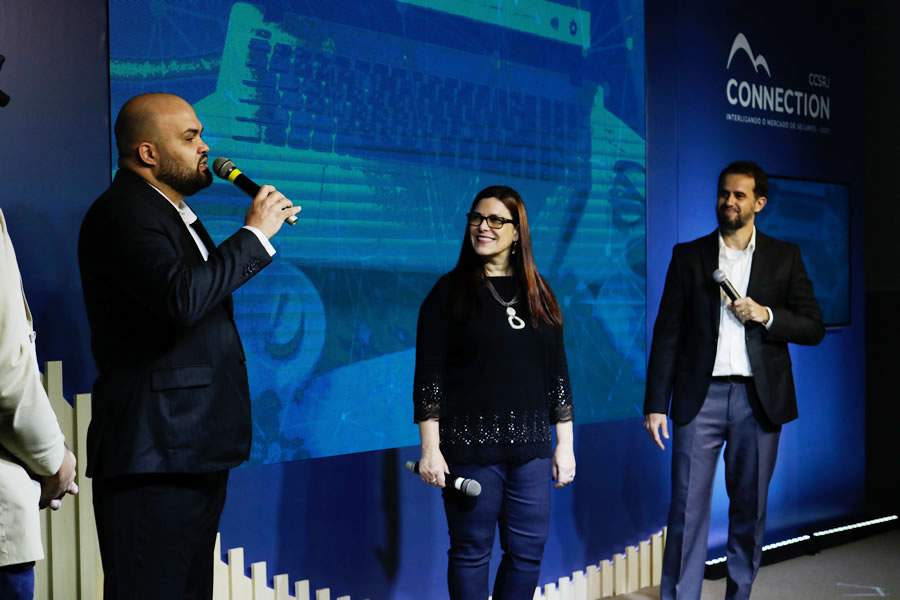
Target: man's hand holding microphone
[269,210]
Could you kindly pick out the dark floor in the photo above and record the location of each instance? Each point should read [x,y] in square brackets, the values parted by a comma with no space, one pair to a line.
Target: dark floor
[869,568]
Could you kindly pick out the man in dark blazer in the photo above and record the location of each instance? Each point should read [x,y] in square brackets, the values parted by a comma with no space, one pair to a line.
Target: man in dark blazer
[171,408]
[726,367]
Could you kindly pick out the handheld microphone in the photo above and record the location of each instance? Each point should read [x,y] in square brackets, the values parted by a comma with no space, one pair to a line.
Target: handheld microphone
[226,169]
[467,487]
[722,280]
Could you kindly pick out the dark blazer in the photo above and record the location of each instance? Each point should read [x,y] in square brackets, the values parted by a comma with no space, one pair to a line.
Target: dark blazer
[172,394]
[686,332]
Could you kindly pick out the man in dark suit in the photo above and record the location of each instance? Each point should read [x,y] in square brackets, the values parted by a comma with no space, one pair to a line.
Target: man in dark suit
[727,369]
[171,408]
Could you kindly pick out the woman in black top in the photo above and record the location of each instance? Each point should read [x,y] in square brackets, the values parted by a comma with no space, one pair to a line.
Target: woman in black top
[491,378]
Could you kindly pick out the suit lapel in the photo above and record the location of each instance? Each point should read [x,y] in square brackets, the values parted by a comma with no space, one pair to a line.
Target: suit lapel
[759,265]
[204,235]
[709,260]
[210,247]
[133,183]
[159,203]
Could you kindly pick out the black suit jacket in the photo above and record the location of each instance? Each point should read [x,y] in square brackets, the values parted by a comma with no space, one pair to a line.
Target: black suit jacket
[172,393]
[686,332]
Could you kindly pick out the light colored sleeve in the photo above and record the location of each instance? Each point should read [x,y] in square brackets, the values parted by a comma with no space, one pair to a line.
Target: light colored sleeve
[262,239]
[28,427]
[771,319]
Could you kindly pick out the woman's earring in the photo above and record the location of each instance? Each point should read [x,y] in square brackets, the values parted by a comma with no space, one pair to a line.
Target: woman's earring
[515,244]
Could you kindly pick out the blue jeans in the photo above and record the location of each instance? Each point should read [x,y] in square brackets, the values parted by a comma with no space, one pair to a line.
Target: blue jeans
[17,582]
[517,498]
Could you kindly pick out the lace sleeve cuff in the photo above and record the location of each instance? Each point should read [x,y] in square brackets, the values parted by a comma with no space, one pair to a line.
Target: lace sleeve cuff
[559,399]
[428,400]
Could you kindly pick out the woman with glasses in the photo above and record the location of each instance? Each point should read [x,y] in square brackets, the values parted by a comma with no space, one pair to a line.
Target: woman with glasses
[491,379]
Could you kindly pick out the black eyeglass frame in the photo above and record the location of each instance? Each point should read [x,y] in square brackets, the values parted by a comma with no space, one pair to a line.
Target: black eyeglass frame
[472,216]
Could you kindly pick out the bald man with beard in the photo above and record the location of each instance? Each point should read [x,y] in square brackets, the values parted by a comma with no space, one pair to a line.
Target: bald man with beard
[171,406]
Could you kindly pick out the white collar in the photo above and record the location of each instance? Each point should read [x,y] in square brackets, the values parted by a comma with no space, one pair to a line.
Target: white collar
[750,247]
[184,211]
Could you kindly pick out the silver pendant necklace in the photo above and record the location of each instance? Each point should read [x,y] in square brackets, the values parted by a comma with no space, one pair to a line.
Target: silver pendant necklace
[514,320]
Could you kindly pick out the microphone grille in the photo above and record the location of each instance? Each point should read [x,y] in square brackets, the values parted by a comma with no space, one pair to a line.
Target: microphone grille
[719,275]
[471,487]
[223,167]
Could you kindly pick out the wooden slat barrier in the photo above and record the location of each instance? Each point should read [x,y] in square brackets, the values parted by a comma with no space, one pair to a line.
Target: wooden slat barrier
[72,564]
[230,581]
[638,568]
[73,555]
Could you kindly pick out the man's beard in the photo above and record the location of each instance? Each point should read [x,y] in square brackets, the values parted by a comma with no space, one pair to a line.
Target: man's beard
[727,224]
[185,181]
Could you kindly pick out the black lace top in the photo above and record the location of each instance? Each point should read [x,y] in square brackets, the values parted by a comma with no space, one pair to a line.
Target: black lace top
[496,390]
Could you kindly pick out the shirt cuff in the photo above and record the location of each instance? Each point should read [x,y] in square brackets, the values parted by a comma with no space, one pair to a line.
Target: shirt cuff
[265,241]
[768,323]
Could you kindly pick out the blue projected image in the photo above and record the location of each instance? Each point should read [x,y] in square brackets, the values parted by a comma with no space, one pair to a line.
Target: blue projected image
[816,216]
[383,119]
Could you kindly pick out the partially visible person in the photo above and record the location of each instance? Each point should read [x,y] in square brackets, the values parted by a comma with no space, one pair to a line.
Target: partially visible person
[723,371]
[491,380]
[36,468]
[171,404]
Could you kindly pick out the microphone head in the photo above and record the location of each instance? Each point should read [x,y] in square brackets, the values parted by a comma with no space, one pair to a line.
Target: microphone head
[470,487]
[719,275]
[223,167]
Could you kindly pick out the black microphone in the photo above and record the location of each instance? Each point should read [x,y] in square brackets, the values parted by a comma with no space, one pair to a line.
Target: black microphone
[226,169]
[468,487]
[722,280]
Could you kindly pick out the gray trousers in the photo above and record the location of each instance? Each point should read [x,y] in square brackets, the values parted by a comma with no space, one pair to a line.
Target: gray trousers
[726,418]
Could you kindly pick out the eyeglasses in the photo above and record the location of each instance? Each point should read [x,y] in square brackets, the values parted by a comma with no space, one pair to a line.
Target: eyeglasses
[494,222]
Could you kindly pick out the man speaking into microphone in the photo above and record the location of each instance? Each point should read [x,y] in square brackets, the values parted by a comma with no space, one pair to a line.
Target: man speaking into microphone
[171,406]
[725,365]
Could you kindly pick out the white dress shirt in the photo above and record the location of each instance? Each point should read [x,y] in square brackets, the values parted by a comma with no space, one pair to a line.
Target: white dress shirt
[731,347]
[189,218]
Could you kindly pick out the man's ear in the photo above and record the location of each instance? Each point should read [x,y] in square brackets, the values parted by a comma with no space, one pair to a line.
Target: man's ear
[760,204]
[147,154]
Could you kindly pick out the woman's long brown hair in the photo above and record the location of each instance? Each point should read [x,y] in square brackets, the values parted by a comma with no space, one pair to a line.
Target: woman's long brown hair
[468,274]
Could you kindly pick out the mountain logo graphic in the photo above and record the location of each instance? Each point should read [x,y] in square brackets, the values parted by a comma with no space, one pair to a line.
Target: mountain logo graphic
[741,43]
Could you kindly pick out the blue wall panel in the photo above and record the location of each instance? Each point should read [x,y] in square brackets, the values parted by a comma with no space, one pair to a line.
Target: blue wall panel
[820,472]
[54,157]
